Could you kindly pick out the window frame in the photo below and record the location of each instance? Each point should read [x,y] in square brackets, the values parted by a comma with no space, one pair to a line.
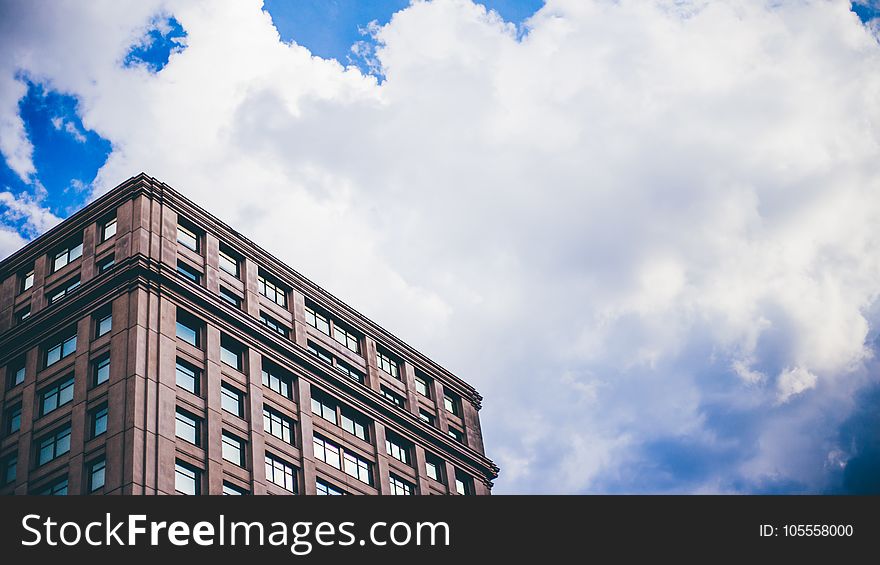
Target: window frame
[240,412]
[105,225]
[196,477]
[189,421]
[71,252]
[56,436]
[224,253]
[189,230]
[95,416]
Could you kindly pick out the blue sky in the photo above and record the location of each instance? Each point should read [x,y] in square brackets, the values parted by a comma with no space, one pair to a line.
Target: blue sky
[678,203]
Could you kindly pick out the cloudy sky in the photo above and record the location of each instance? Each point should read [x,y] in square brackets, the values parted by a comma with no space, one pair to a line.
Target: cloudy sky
[646,230]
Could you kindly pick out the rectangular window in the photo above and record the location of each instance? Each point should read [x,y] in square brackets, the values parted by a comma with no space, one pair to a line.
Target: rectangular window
[15,374]
[228,261]
[13,419]
[54,445]
[187,479]
[27,280]
[230,297]
[359,468]
[98,421]
[400,486]
[272,290]
[328,452]
[388,364]
[232,353]
[188,272]
[188,237]
[274,325]
[320,353]
[233,449]
[232,400]
[101,370]
[452,403]
[56,395]
[398,447]
[392,397]
[323,406]
[97,474]
[23,314]
[189,328]
[434,468]
[317,320]
[280,472]
[103,323]
[63,290]
[346,338]
[60,348]
[8,469]
[278,425]
[423,385]
[230,489]
[277,379]
[326,489]
[105,264]
[426,417]
[463,483]
[188,377]
[349,371]
[188,427]
[354,423]
[456,434]
[57,488]
[108,229]
[332,328]
[67,255]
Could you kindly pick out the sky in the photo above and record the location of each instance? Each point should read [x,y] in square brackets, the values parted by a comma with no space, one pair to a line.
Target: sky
[645,230]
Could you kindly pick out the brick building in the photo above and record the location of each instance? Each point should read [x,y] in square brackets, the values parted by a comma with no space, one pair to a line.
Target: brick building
[148,348]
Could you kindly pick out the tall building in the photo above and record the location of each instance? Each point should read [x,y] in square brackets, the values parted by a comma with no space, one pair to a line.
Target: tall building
[148,348]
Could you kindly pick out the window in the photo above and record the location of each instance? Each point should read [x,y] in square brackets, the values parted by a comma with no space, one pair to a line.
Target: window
[187,479]
[317,320]
[328,452]
[230,297]
[346,337]
[323,406]
[358,468]
[54,445]
[456,434]
[188,377]
[423,386]
[56,488]
[189,272]
[228,261]
[463,483]
[103,323]
[15,374]
[354,423]
[434,468]
[101,371]
[426,417]
[320,353]
[349,371]
[274,325]
[27,280]
[13,419]
[387,364]
[64,256]
[108,229]
[97,474]
[272,290]
[277,379]
[23,314]
[280,472]
[56,395]
[232,353]
[8,468]
[398,447]
[63,290]
[232,400]
[98,421]
[326,489]
[188,427]
[233,449]
[60,348]
[323,324]
[451,403]
[105,264]
[400,487]
[393,397]
[188,237]
[278,425]
[230,489]
[189,328]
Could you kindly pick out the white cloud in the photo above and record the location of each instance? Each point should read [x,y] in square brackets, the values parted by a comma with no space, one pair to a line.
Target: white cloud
[27,210]
[616,228]
[58,123]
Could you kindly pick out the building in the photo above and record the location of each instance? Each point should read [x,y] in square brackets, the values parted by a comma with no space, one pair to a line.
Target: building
[148,348]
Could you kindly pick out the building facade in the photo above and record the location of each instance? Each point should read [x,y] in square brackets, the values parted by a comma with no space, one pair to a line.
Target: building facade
[148,348]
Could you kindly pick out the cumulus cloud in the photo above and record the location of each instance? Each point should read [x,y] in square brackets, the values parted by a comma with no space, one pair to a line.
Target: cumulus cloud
[645,230]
